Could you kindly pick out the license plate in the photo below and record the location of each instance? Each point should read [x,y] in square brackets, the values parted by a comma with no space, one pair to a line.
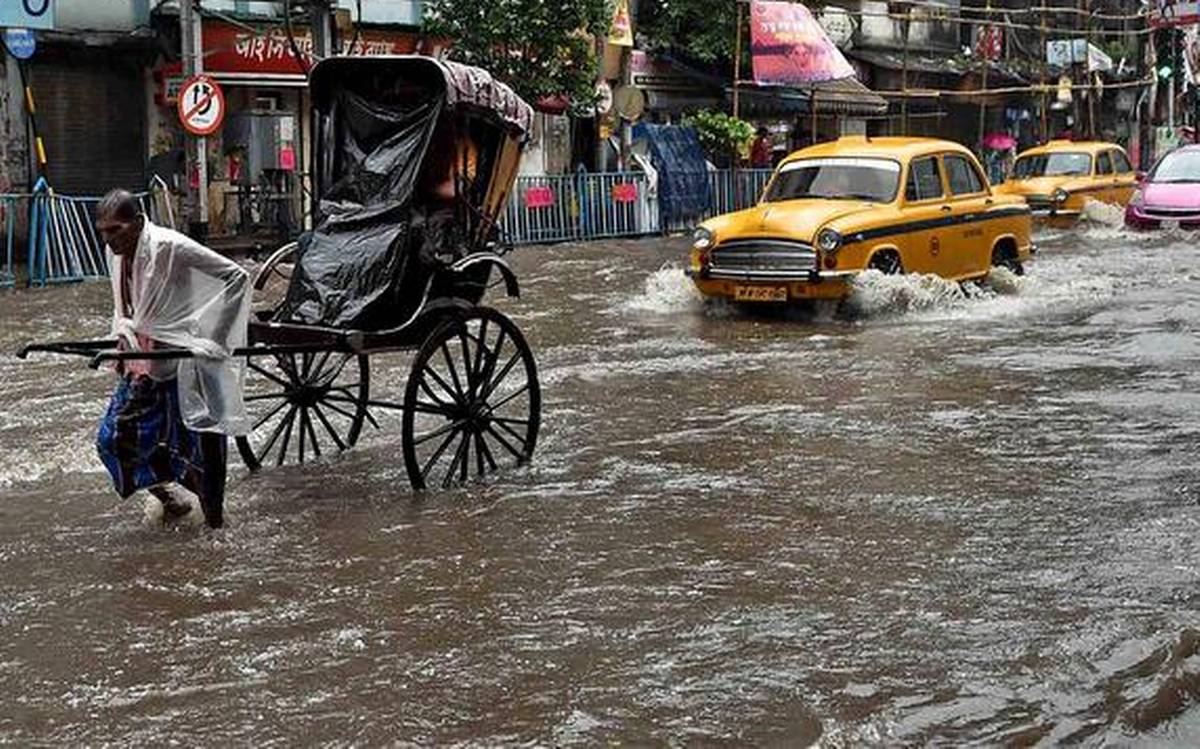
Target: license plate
[760,294]
[1170,224]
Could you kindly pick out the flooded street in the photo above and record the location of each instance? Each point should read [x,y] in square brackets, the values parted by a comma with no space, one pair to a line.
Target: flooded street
[950,517]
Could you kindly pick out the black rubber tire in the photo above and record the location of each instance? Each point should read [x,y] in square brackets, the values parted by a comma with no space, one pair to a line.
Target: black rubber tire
[324,393]
[1006,257]
[465,387]
[887,262]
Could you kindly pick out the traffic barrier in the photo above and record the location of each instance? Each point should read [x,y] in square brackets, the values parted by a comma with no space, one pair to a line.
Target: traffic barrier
[64,246]
[9,207]
[603,205]
[595,205]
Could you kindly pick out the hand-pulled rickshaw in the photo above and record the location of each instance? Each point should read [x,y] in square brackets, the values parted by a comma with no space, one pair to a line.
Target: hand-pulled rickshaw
[414,160]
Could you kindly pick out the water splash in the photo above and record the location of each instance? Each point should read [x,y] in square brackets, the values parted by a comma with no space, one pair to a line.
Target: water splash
[666,290]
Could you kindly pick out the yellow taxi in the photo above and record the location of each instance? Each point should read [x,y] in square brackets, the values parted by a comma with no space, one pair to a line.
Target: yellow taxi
[834,210]
[1057,178]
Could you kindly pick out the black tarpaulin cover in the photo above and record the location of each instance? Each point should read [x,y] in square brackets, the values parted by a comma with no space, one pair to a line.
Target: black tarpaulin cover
[349,271]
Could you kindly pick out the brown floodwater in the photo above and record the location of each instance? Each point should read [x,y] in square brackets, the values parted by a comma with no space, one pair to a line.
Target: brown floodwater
[949,516]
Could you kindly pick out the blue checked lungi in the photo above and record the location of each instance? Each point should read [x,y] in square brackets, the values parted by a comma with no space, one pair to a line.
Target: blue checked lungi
[143,441]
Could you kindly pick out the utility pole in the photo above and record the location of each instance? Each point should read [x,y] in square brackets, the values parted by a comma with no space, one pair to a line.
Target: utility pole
[197,152]
[323,29]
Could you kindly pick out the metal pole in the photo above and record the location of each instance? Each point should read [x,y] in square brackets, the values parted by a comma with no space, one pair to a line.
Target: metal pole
[987,37]
[324,41]
[1042,77]
[1087,70]
[737,56]
[193,64]
[904,75]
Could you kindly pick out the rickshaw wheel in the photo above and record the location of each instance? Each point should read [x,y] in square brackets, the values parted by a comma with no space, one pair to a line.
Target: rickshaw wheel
[302,405]
[472,402]
[272,280]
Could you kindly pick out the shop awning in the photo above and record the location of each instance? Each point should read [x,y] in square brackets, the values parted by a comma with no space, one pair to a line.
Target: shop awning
[846,96]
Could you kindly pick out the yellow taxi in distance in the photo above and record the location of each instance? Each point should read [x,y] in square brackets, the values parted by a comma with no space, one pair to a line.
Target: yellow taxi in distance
[1056,179]
[834,210]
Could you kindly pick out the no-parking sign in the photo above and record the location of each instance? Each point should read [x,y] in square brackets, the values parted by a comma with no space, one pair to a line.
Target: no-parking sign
[201,105]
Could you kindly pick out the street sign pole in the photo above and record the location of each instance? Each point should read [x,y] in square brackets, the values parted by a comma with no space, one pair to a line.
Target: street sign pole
[193,64]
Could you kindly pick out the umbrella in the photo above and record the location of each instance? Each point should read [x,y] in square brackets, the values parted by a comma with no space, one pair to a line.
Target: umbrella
[999,141]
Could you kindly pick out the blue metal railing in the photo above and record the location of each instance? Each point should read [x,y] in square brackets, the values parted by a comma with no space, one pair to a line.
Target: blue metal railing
[63,245]
[601,205]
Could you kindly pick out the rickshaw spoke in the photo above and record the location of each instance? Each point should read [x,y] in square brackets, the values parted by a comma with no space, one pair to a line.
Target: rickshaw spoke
[287,437]
[449,390]
[271,413]
[312,434]
[506,420]
[436,454]
[386,404]
[266,396]
[493,407]
[422,407]
[302,431]
[465,467]
[429,391]
[478,455]
[329,404]
[458,455]
[329,428]
[451,427]
[502,374]
[458,389]
[269,375]
[278,429]
[317,368]
[480,347]
[466,361]
[306,360]
[493,357]
[482,446]
[512,433]
[516,453]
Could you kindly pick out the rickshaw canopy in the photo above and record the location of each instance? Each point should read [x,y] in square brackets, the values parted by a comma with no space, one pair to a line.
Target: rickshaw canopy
[463,86]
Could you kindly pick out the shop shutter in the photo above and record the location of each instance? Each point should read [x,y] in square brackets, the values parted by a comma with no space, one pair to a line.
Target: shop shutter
[91,107]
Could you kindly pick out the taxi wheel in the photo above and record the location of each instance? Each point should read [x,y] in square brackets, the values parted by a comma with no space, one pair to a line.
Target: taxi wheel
[1006,257]
[887,262]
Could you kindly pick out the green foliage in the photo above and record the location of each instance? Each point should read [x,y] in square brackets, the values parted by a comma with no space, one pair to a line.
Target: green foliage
[720,134]
[700,29]
[539,47]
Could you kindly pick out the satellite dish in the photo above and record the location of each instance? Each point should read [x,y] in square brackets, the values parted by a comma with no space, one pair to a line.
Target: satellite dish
[630,102]
[604,98]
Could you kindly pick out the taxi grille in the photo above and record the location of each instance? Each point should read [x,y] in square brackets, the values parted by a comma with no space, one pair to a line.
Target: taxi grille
[1164,212]
[1039,202]
[762,258]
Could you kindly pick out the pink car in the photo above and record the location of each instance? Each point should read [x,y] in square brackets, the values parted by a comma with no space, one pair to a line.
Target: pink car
[1169,196]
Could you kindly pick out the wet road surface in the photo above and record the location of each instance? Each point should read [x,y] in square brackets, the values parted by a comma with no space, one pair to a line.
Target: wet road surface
[955,517]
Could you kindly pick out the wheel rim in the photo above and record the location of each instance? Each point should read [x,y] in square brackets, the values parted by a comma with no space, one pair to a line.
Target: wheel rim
[303,406]
[472,403]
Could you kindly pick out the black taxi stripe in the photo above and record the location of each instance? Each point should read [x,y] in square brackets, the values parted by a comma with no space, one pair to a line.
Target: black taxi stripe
[934,223]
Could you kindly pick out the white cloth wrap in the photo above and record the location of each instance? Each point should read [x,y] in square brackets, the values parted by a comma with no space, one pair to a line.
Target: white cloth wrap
[186,295]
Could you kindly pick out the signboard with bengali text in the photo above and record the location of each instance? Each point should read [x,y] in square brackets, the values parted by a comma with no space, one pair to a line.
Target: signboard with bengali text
[788,47]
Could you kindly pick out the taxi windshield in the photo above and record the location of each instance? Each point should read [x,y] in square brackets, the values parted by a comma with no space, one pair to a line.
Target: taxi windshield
[1180,166]
[1062,164]
[836,178]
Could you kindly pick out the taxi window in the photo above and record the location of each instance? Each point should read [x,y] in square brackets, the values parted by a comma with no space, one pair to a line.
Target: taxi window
[1103,164]
[963,178]
[924,180]
[1121,162]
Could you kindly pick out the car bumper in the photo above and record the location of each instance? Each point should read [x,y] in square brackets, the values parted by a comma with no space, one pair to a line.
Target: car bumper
[765,289]
[1137,217]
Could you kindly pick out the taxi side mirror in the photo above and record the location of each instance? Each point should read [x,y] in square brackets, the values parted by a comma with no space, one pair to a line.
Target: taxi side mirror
[1140,176]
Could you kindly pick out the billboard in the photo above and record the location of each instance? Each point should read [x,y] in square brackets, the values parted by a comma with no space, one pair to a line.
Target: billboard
[788,47]
[1171,13]
[29,14]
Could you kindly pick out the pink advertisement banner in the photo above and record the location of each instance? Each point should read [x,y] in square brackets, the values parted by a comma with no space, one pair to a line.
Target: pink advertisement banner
[788,47]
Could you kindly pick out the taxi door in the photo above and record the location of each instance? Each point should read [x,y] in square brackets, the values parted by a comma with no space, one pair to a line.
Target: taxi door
[1124,177]
[1104,179]
[927,209]
[965,246]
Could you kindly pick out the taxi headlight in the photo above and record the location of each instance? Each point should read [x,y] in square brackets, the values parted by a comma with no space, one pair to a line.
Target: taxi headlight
[1059,196]
[702,238]
[828,240]
[1136,198]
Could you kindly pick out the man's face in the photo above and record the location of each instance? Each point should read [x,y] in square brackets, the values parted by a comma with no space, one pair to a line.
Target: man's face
[120,235]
